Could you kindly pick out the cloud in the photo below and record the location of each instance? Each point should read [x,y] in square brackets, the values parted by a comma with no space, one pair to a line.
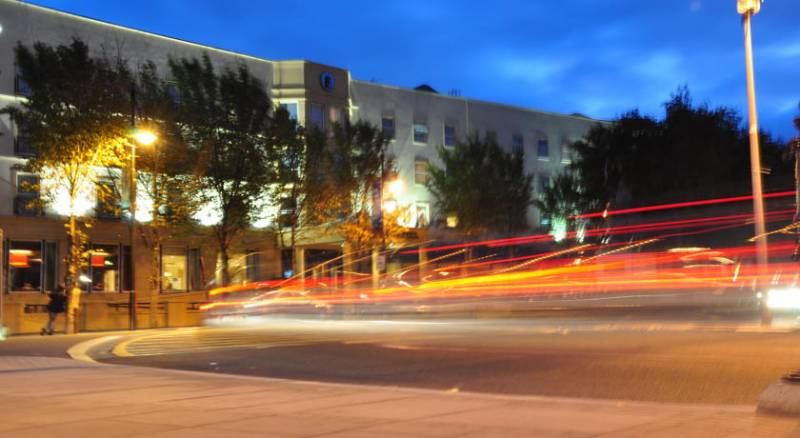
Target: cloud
[784,50]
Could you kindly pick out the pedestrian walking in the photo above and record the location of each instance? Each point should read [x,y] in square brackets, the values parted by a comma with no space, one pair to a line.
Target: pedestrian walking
[57,304]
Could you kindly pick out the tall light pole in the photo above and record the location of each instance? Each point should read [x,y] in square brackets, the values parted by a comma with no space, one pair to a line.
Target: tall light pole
[145,138]
[748,8]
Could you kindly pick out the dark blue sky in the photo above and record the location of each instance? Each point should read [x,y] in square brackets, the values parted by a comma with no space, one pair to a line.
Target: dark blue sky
[596,57]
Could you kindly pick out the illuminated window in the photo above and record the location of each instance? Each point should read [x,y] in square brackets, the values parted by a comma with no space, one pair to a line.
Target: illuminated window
[421,171]
[26,203]
[318,116]
[449,135]
[335,115]
[25,266]
[108,201]
[104,268]
[387,125]
[173,270]
[420,132]
[422,213]
[291,108]
[543,148]
[517,144]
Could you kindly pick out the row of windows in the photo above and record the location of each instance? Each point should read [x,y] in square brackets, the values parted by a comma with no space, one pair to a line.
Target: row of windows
[32,266]
[420,133]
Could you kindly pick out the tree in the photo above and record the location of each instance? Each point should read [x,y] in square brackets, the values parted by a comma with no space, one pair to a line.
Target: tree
[563,199]
[225,120]
[485,187]
[693,152]
[75,120]
[362,164]
[164,173]
[288,192]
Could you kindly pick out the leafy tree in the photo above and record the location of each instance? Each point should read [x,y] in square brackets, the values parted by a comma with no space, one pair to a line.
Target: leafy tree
[164,173]
[483,185]
[693,152]
[563,199]
[74,119]
[291,160]
[343,169]
[225,119]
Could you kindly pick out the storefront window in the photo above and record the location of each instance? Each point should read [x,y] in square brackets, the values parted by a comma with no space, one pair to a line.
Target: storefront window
[173,270]
[195,269]
[25,266]
[104,268]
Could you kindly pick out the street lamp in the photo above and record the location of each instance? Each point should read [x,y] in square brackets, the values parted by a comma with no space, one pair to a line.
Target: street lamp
[143,137]
[748,8]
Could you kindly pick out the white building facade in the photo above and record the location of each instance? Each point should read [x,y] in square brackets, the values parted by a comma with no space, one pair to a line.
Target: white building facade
[417,121]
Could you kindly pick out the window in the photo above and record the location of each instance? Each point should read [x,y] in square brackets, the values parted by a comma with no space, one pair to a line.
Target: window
[565,155]
[24,266]
[127,269]
[286,216]
[173,92]
[335,115]
[253,266]
[195,269]
[22,143]
[387,124]
[491,136]
[422,214]
[517,144]
[449,135]
[173,270]
[544,182]
[50,265]
[104,269]
[318,116]
[543,148]
[421,171]
[26,202]
[291,108]
[420,132]
[108,201]
[21,88]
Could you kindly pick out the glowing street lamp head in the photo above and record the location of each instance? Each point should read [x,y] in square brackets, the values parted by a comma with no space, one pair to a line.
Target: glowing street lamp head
[144,137]
[748,6]
[395,188]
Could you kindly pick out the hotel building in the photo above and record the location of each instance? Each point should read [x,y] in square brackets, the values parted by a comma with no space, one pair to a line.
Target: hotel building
[417,121]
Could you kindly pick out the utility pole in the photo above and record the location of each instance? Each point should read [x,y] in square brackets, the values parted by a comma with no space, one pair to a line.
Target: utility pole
[748,8]
[132,208]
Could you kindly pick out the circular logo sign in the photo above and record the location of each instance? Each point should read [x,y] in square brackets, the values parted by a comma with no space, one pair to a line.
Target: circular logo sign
[326,81]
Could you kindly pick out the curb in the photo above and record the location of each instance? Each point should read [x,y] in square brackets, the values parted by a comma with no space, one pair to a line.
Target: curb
[80,351]
[781,399]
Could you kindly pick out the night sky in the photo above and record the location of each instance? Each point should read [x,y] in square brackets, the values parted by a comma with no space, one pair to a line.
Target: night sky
[596,57]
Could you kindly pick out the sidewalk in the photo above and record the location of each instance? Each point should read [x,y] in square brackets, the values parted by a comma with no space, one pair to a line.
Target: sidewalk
[52,397]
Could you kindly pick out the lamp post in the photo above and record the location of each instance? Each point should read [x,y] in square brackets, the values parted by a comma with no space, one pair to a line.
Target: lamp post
[145,138]
[748,8]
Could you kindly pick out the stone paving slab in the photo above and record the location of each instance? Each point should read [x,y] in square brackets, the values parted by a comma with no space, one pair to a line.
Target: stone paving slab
[53,397]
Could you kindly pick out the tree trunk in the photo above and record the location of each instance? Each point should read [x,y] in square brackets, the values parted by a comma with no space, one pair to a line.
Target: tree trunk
[73,271]
[155,282]
[225,260]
